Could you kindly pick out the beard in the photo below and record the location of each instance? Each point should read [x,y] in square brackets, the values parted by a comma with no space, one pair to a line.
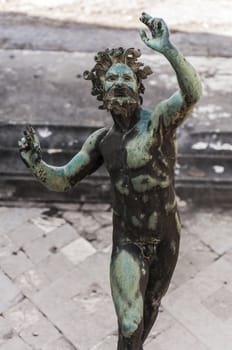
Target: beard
[121,100]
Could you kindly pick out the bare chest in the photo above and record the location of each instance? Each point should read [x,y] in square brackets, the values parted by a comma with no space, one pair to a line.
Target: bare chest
[130,151]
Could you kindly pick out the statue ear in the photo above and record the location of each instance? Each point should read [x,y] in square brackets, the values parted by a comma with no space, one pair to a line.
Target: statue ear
[87,75]
[145,72]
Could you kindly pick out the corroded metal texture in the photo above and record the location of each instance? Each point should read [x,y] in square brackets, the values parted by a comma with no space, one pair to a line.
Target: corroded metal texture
[139,152]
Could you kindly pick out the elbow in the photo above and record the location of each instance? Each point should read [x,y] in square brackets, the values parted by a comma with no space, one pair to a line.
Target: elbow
[58,185]
[192,99]
[194,93]
[56,188]
[197,92]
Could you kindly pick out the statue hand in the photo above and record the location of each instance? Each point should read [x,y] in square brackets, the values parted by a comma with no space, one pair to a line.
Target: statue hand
[29,147]
[159,32]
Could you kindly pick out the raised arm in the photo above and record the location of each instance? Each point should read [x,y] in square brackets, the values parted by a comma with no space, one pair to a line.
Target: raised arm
[64,177]
[174,110]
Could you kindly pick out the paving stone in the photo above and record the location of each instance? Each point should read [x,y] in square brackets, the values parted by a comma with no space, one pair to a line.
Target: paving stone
[9,293]
[15,344]
[84,223]
[185,304]
[89,324]
[95,207]
[54,266]
[7,247]
[59,344]
[25,233]
[90,275]
[23,315]
[228,255]
[40,333]
[194,256]
[6,330]
[82,321]
[164,322]
[152,345]
[15,264]
[103,217]
[110,343]
[31,325]
[42,247]
[175,338]
[82,302]
[220,304]
[196,312]
[103,237]
[32,281]
[218,234]
[184,271]
[78,250]
[3,210]
[12,218]
[48,224]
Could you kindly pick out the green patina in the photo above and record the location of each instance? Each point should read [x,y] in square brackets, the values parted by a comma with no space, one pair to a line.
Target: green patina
[128,301]
[178,223]
[143,183]
[169,206]
[122,187]
[152,221]
[140,147]
[135,221]
[173,247]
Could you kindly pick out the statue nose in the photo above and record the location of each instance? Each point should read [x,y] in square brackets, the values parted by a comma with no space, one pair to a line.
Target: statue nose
[119,82]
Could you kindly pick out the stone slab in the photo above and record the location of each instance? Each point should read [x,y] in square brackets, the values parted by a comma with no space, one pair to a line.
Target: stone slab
[9,293]
[186,305]
[78,250]
[15,343]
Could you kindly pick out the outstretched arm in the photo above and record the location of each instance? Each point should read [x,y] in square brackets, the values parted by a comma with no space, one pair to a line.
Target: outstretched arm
[64,177]
[177,107]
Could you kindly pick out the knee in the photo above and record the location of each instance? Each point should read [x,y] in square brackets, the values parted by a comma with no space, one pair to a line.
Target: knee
[129,326]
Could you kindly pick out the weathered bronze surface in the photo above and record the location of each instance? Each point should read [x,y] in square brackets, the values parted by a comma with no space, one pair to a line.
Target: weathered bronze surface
[139,152]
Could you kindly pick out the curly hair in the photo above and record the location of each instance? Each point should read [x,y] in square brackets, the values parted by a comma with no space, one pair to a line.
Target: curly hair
[105,59]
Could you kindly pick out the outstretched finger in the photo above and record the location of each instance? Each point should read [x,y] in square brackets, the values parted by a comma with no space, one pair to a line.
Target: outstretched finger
[36,138]
[143,36]
[145,18]
[22,145]
[33,134]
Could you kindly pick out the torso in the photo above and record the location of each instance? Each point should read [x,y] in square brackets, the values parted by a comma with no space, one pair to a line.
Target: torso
[141,166]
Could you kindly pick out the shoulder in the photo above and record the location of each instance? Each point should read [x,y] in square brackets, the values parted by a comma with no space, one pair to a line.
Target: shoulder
[145,113]
[152,117]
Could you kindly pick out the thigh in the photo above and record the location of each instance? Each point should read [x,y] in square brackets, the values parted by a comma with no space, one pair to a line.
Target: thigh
[128,276]
[162,268]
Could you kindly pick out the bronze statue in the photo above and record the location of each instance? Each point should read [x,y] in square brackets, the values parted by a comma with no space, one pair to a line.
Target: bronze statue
[139,153]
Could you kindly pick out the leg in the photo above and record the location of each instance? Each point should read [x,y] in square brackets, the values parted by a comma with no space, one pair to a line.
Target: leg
[128,276]
[161,271]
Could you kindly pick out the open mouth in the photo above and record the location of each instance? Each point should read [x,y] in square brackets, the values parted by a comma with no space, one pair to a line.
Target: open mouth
[119,92]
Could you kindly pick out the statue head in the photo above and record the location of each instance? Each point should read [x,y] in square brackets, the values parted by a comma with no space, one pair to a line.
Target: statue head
[117,78]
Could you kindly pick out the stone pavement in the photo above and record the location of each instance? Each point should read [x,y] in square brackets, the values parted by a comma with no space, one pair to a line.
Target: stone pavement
[54,281]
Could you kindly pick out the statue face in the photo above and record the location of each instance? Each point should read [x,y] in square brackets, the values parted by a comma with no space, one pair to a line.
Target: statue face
[120,76]
[121,88]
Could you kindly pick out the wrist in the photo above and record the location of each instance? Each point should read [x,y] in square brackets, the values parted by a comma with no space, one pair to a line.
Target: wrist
[168,49]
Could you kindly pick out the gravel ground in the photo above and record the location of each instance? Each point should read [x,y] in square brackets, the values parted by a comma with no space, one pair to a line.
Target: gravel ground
[213,16]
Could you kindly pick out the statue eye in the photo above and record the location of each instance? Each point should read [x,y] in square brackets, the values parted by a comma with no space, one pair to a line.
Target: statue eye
[127,78]
[111,78]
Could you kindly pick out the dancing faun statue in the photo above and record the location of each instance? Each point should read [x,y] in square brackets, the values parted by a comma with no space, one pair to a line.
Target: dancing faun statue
[139,153]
